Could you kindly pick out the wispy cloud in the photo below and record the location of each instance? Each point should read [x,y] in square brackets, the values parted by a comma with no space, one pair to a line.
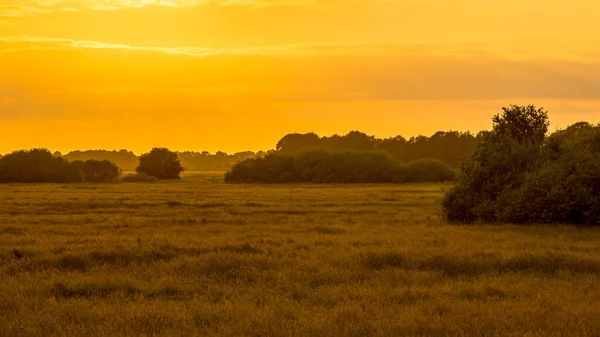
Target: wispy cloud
[110,5]
[312,72]
[15,44]
[22,43]
[547,49]
[20,11]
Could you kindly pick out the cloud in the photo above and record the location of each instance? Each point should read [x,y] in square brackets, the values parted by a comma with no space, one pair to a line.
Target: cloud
[23,43]
[111,5]
[520,49]
[20,11]
[302,73]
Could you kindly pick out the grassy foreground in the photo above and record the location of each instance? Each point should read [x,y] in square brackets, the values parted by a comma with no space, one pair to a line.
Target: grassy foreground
[197,257]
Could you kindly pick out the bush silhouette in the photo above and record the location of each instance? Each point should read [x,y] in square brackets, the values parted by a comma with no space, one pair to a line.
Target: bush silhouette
[42,166]
[272,168]
[325,166]
[100,171]
[36,166]
[322,166]
[160,163]
[564,186]
[519,175]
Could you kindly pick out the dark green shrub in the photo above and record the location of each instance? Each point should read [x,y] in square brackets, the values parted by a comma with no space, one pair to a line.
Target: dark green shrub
[35,166]
[272,168]
[322,166]
[564,187]
[519,175]
[160,163]
[99,171]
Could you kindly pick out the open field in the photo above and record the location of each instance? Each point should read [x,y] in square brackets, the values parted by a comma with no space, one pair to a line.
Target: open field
[197,257]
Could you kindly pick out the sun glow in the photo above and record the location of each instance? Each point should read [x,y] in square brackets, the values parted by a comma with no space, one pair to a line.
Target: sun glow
[234,75]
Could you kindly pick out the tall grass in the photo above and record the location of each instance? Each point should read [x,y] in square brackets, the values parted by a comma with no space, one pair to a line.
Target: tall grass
[306,260]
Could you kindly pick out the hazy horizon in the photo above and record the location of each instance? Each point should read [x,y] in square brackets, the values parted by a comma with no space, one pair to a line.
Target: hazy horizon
[232,76]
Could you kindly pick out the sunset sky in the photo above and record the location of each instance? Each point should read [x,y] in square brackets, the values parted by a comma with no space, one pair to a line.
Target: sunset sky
[237,75]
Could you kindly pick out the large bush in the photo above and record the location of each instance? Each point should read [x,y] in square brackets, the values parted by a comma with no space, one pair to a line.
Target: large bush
[160,163]
[324,166]
[564,186]
[36,166]
[272,168]
[41,166]
[100,171]
[519,175]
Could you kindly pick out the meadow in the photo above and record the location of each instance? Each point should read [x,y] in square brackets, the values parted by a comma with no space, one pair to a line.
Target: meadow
[200,257]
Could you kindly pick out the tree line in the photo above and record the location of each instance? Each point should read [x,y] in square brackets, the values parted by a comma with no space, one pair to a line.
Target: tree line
[450,147]
[190,160]
[42,166]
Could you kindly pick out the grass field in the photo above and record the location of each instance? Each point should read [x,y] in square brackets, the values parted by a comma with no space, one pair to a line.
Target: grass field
[197,257]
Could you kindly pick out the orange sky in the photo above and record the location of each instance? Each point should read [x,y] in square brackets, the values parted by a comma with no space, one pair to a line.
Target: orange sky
[234,75]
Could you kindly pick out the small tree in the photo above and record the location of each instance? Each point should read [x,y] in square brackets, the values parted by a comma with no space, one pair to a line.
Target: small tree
[498,164]
[99,171]
[160,163]
[522,123]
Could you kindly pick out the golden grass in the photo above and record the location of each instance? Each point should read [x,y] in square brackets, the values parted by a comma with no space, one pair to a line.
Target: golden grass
[197,257]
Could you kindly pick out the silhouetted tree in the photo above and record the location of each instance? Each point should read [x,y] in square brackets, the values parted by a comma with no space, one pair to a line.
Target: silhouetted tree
[397,147]
[294,143]
[563,185]
[519,175]
[34,166]
[100,171]
[356,140]
[522,123]
[160,163]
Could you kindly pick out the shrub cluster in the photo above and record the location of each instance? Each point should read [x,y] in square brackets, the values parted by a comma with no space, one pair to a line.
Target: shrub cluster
[519,175]
[272,168]
[99,171]
[40,166]
[324,166]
